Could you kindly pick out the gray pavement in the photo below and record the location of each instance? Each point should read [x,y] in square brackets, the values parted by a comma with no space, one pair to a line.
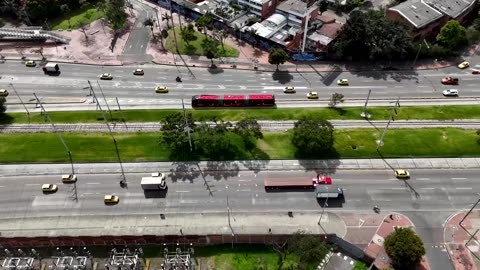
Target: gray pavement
[266,125]
[138,90]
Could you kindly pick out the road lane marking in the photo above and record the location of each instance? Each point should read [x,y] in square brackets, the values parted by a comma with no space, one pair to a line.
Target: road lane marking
[247,190]
[93,183]
[429,188]
[32,184]
[458,178]
[464,188]
[2,186]
[182,191]
[396,188]
[423,178]
[245,180]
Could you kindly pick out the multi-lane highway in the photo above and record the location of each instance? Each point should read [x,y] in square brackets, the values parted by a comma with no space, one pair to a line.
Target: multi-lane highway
[130,89]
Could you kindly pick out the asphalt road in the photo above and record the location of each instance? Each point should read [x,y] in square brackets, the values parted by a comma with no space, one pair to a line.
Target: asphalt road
[132,89]
[428,198]
[140,35]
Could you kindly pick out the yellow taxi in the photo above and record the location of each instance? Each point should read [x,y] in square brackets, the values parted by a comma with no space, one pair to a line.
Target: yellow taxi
[49,188]
[30,63]
[106,76]
[289,90]
[111,199]
[3,92]
[138,71]
[463,65]
[69,178]
[161,89]
[402,174]
[342,82]
[312,95]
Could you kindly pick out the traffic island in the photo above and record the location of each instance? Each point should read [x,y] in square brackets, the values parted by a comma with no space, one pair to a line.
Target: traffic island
[462,238]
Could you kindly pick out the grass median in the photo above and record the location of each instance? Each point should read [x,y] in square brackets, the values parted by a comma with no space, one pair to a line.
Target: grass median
[354,143]
[378,113]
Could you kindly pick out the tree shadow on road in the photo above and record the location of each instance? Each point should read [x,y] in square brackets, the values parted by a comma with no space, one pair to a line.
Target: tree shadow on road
[222,169]
[282,77]
[184,171]
[382,72]
[319,165]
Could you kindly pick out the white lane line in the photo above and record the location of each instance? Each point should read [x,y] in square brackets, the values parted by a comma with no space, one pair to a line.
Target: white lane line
[93,183]
[182,191]
[32,184]
[467,188]
[2,186]
[423,178]
[396,188]
[247,190]
[458,178]
[429,188]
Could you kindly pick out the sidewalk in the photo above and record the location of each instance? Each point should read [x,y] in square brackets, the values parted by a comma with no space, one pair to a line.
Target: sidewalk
[242,165]
[375,248]
[464,249]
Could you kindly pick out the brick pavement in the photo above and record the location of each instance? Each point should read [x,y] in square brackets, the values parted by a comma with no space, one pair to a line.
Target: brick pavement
[464,257]
[375,247]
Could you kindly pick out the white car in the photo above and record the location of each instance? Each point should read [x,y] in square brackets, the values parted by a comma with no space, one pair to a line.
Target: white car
[450,92]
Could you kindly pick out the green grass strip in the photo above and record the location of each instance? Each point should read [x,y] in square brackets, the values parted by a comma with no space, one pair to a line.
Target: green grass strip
[354,143]
[378,113]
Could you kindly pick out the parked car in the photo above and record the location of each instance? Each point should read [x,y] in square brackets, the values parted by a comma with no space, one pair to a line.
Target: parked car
[161,89]
[450,92]
[106,76]
[450,80]
[463,65]
[402,174]
[312,95]
[342,82]
[289,90]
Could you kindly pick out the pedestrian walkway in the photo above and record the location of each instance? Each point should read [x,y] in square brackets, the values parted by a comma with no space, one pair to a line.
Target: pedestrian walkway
[242,165]
[266,125]
[375,248]
[463,240]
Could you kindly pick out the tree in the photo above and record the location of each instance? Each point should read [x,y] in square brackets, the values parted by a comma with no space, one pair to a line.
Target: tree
[213,141]
[173,134]
[166,17]
[312,137]
[335,99]
[248,129]
[308,248]
[277,56]
[115,14]
[372,36]
[405,248]
[82,29]
[452,36]
[149,22]
[210,49]
[188,34]
[205,21]
[322,6]
[3,108]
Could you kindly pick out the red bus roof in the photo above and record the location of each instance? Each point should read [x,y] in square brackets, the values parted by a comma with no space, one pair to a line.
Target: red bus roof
[208,97]
[233,97]
[260,96]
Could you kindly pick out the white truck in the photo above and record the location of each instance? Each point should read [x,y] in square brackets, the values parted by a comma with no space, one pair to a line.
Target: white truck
[51,68]
[154,182]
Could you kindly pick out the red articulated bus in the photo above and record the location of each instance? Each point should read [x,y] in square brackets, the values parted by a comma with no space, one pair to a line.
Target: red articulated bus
[296,183]
[257,100]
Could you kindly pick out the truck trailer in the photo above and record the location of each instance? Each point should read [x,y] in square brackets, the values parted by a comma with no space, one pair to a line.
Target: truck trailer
[51,68]
[328,192]
[153,183]
[296,183]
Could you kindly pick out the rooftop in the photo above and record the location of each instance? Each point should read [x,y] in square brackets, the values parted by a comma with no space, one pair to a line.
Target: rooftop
[296,6]
[452,8]
[417,12]
[326,34]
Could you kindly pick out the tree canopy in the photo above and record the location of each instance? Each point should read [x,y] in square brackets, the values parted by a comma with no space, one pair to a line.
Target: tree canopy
[313,137]
[452,36]
[405,248]
[188,33]
[371,35]
[115,14]
[277,56]
[3,108]
[210,48]
[174,135]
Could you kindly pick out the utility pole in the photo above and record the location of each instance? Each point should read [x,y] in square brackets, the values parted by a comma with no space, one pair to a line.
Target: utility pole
[106,102]
[394,111]
[364,113]
[120,110]
[418,53]
[92,93]
[113,138]
[321,215]
[21,101]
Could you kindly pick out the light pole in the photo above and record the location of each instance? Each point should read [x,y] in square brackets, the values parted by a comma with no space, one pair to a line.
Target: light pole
[418,53]
[364,113]
[21,101]
[394,111]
